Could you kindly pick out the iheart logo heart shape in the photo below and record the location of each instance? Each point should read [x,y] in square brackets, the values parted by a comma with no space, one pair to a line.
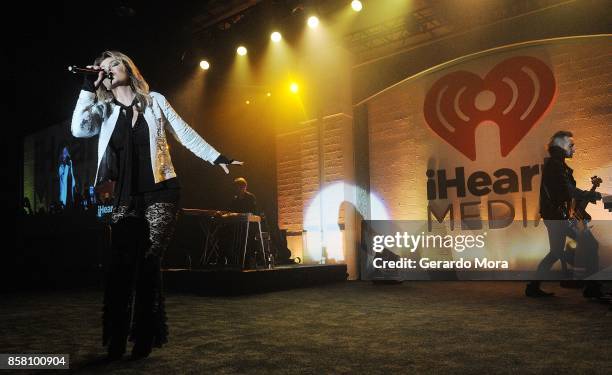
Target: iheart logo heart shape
[515,94]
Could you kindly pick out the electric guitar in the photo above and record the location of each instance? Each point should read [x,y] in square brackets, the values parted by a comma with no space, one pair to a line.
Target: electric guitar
[577,216]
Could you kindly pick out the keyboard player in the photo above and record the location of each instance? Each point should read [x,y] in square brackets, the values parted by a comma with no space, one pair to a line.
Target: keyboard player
[244,201]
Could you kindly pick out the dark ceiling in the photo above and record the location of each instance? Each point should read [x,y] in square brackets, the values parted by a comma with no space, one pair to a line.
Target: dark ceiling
[167,39]
[162,38]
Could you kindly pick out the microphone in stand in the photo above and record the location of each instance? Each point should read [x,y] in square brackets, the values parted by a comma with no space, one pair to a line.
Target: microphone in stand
[78,70]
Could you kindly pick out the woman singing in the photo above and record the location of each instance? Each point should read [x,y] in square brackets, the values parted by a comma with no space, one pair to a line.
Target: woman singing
[131,122]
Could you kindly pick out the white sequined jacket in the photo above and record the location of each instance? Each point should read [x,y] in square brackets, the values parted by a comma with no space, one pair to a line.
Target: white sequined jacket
[92,118]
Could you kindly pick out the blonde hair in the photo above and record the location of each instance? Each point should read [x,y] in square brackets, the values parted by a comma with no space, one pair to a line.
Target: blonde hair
[137,81]
[241,181]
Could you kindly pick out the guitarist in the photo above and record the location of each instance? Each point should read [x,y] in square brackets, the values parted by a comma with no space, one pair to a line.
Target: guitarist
[557,190]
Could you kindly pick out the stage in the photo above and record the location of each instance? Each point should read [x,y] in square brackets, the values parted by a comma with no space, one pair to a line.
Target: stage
[234,281]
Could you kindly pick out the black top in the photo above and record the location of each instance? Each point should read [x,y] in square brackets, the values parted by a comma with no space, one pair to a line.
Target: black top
[133,157]
[559,186]
[245,203]
[132,144]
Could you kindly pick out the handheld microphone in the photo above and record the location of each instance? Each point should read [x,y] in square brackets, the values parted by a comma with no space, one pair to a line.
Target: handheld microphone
[77,70]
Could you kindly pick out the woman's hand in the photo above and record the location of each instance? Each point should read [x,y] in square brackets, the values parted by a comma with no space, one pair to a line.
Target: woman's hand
[234,162]
[100,75]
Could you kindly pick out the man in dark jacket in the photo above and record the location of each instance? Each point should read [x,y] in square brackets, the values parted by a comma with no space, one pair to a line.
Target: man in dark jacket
[244,201]
[557,189]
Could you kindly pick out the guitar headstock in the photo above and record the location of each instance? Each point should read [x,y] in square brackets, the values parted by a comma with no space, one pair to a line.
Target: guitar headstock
[596,181]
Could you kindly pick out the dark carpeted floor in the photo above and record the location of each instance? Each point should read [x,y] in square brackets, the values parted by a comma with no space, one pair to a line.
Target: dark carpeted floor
[352,327]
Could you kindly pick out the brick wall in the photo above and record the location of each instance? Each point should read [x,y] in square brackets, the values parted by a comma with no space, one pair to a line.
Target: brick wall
[309,159]
[403,147]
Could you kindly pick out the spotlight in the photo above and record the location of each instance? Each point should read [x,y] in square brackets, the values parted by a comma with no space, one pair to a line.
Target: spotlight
[241,50]
[276,37]
[294,87]
[313,22]
[204,65]
[356,5]
[247,102]
[269,94]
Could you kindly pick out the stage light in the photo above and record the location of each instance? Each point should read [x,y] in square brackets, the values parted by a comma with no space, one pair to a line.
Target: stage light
[276,37]
[313,22]
[247,102]
[204,65]
[356,5]
[241,50]
[269,94]
[294,87]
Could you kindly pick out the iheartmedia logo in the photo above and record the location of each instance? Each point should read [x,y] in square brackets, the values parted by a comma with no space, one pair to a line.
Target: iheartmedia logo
[515,94]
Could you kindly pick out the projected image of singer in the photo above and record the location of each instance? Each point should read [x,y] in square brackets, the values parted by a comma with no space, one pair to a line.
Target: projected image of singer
[131,123]
[65,173]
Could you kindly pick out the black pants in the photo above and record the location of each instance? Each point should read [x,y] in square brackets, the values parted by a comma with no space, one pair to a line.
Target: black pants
[133,297]
[586,254]
[557,230]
